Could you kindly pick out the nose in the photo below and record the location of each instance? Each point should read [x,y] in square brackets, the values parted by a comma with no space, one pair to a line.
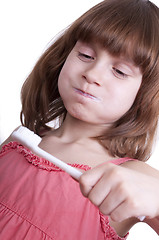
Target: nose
[93,75]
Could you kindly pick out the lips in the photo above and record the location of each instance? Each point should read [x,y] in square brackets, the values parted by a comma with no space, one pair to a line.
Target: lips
[88,95]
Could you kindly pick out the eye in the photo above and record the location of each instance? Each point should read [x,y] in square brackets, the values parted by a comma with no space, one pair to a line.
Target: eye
[85,57]
[118,73]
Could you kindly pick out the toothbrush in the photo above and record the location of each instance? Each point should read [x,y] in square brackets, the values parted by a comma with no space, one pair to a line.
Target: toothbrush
[32,140]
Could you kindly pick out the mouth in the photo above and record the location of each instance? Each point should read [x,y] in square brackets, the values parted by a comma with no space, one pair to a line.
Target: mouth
[88,95]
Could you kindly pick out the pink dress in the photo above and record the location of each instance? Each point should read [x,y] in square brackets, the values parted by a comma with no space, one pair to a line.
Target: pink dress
[40,201]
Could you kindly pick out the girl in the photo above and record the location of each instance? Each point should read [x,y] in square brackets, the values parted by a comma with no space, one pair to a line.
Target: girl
[100,80]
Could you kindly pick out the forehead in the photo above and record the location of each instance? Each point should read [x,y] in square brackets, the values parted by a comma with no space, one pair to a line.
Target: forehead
[122,30]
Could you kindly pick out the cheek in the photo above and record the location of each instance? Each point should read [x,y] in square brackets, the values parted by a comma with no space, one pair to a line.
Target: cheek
[128,92]
[65,73]
[133,92]
[62,80]
[123,98]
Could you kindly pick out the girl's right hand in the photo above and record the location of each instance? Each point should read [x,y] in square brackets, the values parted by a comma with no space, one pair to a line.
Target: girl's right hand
[121,192]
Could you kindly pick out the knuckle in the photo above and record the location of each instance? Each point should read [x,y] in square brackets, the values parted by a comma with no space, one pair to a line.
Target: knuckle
[134,205]
[124,189]
[116,173]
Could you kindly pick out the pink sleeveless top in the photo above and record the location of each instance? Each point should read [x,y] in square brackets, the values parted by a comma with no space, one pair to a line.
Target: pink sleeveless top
[40,201]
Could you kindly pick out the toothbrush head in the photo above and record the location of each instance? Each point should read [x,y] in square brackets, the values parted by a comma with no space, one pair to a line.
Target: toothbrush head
[26,137]
[32,140]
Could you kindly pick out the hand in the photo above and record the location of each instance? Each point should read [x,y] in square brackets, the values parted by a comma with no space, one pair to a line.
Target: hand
[121,192]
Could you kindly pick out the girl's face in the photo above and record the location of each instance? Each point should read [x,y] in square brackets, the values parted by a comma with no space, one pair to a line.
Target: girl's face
[96,87]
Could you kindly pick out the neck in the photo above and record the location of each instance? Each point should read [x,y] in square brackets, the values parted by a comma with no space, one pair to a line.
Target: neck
[74,130]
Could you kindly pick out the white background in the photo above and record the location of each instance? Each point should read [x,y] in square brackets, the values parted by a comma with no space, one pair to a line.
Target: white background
[26,28]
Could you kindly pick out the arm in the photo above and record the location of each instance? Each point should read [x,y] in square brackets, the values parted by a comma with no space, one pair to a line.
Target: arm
[125,191]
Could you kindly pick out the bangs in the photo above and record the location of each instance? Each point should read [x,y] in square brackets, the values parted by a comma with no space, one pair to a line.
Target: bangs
[122,28]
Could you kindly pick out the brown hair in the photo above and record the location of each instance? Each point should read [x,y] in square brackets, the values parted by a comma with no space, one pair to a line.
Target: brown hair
[125,27]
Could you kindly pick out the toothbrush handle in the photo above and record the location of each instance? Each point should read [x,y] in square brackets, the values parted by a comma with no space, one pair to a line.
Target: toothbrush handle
[141,218]
[75,173]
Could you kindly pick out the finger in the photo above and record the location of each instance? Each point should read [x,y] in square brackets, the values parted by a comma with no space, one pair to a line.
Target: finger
[112,201]
[100,191]
[107,187]
[127,209]
[90,178]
